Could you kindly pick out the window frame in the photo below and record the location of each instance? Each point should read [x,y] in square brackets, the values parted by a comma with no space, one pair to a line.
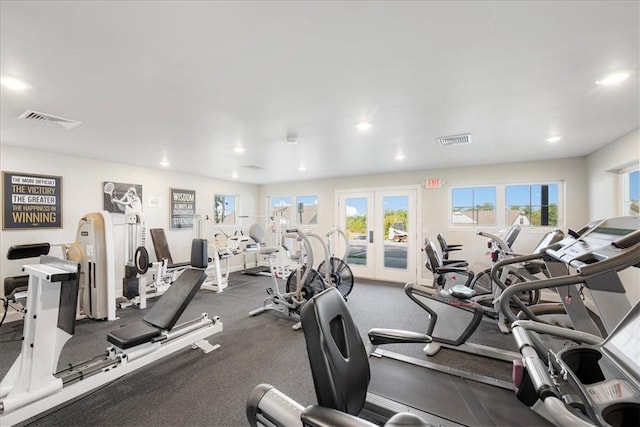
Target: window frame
[235,209]
[292,218]
[559,207]
[625,190]
[501,206]
[473,224]
[297,215]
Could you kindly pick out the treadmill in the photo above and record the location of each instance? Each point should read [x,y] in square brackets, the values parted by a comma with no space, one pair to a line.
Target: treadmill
[440,395]
[606,299]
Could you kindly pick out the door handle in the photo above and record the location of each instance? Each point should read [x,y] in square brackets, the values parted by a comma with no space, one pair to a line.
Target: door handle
[370,236]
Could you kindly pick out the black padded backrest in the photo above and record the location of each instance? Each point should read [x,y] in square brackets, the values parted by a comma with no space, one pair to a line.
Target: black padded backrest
[199,253]
[338,359]
[160,245]
[167,310]
[433,257]
[443,243]
[512,234]
[31,250]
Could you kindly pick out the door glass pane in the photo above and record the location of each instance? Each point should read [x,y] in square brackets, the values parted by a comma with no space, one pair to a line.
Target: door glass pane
[356,229]
[395,223]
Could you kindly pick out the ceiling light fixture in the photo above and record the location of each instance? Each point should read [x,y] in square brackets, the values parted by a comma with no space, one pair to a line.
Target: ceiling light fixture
[164,163]
[399,156]
[613,78]
[234,175]
[302,167]
[553,139]
[14,83]
[238,149]
[363,126]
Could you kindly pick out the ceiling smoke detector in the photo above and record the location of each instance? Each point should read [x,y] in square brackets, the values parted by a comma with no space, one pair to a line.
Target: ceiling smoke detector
[446,141]
[292,139]
[49,119]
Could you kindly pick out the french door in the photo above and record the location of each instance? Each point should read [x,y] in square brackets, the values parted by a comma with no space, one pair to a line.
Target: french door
[382,229]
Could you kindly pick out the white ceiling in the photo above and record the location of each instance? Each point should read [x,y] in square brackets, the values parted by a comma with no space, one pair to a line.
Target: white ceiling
[190,80]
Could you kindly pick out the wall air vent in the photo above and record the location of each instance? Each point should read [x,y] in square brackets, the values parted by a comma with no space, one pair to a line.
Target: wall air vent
[35,116]
[446,141]
[252,167]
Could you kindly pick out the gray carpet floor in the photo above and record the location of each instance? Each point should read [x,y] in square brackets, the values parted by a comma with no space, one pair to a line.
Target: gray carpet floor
[195,389]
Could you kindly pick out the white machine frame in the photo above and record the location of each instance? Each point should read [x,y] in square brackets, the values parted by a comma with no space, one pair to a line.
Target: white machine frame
[31,386]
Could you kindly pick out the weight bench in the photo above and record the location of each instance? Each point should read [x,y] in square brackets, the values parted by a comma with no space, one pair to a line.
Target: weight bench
[167,310]
[161,248]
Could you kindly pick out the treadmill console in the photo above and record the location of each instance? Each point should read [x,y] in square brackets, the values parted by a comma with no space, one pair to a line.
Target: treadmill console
[607,377]
[599,241]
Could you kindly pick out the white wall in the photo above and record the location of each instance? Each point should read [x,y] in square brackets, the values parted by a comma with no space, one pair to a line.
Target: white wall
[82,193]
[603,168]
[435,203]
[589,184]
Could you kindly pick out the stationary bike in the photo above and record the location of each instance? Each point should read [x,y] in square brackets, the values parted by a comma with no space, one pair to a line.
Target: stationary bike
[455,312]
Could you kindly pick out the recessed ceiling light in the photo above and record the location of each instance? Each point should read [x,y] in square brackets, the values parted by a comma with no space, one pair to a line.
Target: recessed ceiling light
[164,163]
[302,167]
[234,175]
[613,78]
[14,83]
[553,139]
[238,149]
[363,126]
[399,156]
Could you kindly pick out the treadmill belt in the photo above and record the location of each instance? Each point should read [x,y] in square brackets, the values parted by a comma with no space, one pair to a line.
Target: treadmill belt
[448,396]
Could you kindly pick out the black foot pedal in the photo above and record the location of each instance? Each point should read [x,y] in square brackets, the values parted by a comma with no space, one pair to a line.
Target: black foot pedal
[269,291]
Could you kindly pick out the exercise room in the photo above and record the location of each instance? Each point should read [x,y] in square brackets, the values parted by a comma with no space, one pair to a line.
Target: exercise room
[320,213]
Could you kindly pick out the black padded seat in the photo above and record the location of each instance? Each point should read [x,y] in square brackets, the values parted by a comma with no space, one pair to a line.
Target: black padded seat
[165,313]
[133,335]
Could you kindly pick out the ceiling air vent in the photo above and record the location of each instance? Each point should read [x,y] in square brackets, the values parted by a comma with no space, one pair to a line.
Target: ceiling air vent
[446,141]
[253,167]
[34,116]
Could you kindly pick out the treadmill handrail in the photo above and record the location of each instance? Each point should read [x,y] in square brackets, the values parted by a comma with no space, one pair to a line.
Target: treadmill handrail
[504,246]
[573,335]
[553,282]
[616,263]
[495,277]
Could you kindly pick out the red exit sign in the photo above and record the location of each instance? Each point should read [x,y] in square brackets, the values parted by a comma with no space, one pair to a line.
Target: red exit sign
[434,183]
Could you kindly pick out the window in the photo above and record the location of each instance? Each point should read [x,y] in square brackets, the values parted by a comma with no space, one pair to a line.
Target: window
[224,211]
[473,206]
[307,210]
[281,206]
[631,192]
[531,205]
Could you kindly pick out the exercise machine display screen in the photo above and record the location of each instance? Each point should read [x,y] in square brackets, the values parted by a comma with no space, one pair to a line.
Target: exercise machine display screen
[624,342]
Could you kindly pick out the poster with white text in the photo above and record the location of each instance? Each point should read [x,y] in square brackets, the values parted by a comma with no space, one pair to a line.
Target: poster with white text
[31,201]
